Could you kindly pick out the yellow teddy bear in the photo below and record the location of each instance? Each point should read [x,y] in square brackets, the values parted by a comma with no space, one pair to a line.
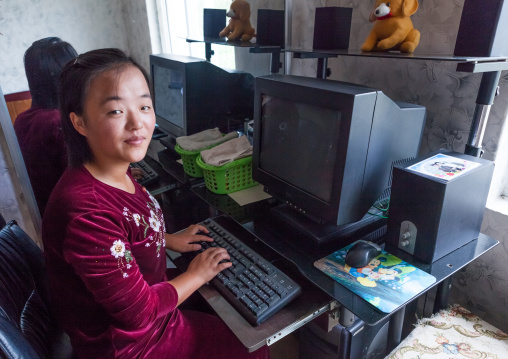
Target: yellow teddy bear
[239,26]
[393,28]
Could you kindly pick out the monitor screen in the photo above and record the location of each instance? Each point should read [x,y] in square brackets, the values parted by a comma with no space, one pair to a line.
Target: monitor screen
[169,95]
[289,147]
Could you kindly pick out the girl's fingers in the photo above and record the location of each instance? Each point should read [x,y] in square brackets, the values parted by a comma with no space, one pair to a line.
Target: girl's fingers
[217,254]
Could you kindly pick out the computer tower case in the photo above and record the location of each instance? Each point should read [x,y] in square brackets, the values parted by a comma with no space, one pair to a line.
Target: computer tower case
[437,203]
[358,341]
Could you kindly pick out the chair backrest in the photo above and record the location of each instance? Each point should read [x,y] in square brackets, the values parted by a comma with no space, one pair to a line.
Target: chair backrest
[27,328]
[17,103]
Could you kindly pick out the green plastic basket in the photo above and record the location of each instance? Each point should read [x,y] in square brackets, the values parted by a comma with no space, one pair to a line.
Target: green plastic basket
[231,177]
[189,161]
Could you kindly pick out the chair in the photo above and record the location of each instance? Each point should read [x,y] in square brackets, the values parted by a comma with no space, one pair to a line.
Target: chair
[17,103]
[454,332]
[27,328]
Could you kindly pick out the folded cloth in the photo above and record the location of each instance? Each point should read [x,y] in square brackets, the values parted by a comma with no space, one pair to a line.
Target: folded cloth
[204,139]
[227,152]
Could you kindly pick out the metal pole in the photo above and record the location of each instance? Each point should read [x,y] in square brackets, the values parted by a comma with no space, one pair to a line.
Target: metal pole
[486,93]
[322,68]
[288,23]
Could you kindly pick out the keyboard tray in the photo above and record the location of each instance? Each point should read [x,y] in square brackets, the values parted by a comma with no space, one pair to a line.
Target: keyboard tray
[253,286]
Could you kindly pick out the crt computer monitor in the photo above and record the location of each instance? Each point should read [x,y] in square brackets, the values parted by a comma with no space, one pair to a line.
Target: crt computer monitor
[326,148]
[192,95]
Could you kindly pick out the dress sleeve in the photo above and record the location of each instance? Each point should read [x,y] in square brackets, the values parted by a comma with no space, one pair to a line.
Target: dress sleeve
[98,249]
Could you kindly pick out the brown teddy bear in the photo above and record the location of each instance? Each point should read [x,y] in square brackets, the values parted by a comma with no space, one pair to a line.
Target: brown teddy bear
[239,26]
[393,29]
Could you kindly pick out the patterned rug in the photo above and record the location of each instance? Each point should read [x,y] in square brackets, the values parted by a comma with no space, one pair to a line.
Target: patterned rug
[453,334]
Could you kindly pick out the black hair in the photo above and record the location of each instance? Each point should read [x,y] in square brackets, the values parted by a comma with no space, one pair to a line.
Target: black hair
[74,84]
[44,61]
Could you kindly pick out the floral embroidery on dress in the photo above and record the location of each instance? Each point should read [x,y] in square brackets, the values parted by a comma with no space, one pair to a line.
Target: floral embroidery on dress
[155,222]
[120,253]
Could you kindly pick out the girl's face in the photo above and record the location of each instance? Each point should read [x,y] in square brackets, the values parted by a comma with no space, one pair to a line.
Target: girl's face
[118,119]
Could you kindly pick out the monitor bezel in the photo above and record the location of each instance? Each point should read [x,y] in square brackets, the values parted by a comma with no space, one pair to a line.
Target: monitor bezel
[355,123]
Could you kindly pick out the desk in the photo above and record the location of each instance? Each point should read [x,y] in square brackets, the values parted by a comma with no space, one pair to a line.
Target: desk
[320,293]
[295,256]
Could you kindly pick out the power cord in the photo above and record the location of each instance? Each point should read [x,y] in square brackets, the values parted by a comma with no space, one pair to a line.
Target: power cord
[382,206]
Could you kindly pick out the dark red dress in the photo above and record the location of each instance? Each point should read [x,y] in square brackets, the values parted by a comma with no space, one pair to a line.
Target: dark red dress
[105,253]
[41,142]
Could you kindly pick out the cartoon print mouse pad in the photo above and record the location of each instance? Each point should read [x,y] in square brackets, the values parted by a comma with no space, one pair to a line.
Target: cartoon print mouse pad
[386,282]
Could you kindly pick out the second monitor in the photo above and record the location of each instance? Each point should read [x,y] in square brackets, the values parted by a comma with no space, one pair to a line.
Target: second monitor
[192,95]
[326,148]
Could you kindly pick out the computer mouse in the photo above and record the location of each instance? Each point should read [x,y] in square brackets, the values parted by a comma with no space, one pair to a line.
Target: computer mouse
[361,253]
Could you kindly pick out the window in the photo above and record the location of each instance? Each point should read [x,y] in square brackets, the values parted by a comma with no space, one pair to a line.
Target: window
[498,194]
[181,19]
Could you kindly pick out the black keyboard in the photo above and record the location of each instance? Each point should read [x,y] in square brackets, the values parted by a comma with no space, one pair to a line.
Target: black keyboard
[252,285]
[149,174]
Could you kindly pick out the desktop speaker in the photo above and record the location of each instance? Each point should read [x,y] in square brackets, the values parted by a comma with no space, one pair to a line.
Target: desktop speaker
[270,27]
[214,21]
[332,27]
[437,203]
[483,28]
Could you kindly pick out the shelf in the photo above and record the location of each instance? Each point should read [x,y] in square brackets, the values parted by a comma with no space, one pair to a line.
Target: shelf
[466,63]
[253,47]
[398,55]
[226,42]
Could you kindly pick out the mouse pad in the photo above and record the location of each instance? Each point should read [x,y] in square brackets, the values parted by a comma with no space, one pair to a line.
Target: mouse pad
[386,282]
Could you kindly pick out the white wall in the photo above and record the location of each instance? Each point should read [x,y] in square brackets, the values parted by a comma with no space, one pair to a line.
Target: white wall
[85,24]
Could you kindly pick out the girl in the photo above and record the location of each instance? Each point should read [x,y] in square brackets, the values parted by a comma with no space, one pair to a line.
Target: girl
[38,129]
[104,235]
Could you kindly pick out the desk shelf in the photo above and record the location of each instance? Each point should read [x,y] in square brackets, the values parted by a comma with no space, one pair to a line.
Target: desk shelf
[302,252]
[489,67]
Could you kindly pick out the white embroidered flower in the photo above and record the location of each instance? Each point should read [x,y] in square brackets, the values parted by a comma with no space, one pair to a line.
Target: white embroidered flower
[137,218]
[117,249]
[147,245]
[125,214]
[129,266]
[154,201]
[125,275]
[154,222]
[125,209]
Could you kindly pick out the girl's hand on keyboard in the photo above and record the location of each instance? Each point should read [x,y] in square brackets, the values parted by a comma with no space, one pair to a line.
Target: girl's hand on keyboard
[206,265]
[184,241]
